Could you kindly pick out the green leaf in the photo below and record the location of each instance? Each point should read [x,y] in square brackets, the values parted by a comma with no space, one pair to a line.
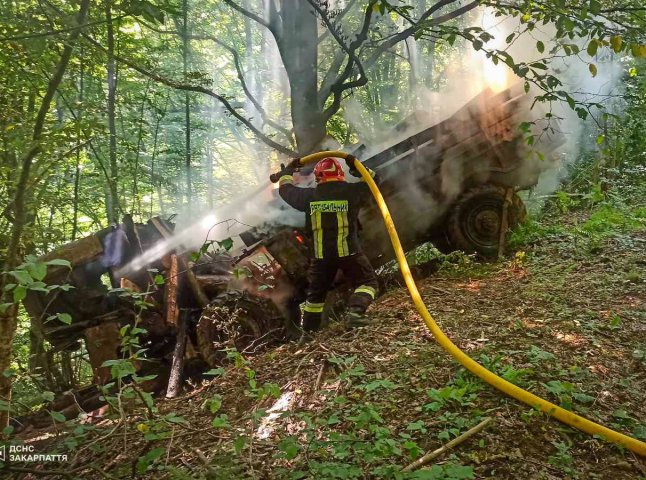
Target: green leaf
[477,44]
[386,384]
[592,47]
[226,244]
[600,139]
[59,262]
[8,430]
[593,69]
[23,277]
[583,398]
[159,279]
[148,459]
[289,447]
[215,372]
[173,418]
[47,396]
[540,46]
[58,417]
[595,7]
[239,444]
[66,318]
[621,413]
[19,293]
[215,404]
[616,43]
[37,270]
[221,421]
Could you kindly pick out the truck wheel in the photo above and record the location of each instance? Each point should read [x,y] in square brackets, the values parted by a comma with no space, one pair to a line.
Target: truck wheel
[235,319]
[474,222]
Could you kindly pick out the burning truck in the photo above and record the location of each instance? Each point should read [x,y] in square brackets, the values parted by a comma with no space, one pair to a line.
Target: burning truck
[454,183]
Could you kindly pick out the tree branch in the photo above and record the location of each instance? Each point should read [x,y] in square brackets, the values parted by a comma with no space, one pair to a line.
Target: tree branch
[339,86]
[236,60]
[338,17]
[331,75]
[421,23]
[62,30]
[249,14]
[199,89]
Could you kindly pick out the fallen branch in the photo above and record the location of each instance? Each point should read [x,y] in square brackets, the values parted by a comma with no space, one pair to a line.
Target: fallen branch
[38,472]
[426,459]
[319,378]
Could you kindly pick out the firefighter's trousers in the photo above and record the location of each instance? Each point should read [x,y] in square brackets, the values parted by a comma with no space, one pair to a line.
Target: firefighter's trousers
[357,271]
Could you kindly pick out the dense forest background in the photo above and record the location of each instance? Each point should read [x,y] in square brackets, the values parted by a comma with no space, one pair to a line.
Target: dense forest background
[157,107]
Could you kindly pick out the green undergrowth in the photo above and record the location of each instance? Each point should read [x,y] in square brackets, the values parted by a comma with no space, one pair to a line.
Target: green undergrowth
[603,221]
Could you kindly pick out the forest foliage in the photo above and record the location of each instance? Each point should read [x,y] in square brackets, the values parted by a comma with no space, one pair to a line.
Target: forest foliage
[159,106]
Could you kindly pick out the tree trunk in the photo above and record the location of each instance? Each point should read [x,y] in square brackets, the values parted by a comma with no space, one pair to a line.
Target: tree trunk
[77,175]
[187,103]
[136,201]
[8,319]
[298,46]
[158,119]
[112,200]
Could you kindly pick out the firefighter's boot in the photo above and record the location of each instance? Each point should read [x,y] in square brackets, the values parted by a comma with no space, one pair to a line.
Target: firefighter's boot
[356,319]
[306,337]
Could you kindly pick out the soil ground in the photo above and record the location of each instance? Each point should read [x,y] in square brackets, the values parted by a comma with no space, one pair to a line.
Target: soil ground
[564,318]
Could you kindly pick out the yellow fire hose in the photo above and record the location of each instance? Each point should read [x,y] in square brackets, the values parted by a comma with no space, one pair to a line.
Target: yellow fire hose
[474,367]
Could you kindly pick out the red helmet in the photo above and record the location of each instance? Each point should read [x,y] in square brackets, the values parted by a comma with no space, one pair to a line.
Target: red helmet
[329,170]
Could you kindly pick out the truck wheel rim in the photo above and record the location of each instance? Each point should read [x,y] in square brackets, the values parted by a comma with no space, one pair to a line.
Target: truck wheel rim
[482,225]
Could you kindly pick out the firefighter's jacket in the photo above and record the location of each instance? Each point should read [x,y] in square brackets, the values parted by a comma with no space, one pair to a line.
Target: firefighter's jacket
[331,213]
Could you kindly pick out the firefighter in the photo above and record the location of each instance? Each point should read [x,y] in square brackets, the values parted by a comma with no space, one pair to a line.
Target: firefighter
[331,212]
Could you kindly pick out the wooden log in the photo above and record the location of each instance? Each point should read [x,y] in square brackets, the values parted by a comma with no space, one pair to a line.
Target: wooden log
[77,252]
[102,342]
[200,296]
[170,291]
[175,378]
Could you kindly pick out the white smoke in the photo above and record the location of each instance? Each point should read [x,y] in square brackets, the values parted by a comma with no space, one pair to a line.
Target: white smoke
[469,72]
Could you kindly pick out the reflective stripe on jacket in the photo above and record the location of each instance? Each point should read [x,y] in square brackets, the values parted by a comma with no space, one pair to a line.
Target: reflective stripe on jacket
[331,214]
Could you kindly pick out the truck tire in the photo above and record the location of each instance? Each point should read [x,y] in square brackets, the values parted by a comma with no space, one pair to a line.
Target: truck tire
[473,224]
[235,319]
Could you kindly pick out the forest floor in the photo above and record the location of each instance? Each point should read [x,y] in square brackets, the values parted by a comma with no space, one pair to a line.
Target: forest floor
[564,318]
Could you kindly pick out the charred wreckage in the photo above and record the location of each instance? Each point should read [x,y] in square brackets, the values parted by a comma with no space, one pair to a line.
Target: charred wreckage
[458,179]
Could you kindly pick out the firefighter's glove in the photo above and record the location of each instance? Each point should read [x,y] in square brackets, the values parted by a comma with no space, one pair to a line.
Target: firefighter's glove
[294,164]
[284,170]
[349,160]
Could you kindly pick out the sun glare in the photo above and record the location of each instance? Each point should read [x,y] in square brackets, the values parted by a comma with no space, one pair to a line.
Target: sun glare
[495,76]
